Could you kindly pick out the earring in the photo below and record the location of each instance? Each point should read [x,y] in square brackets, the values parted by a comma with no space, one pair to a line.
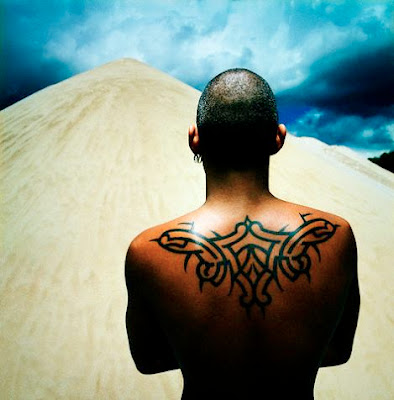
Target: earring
[197,158]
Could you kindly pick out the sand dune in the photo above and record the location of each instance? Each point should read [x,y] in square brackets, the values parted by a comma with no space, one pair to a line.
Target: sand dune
[88,163]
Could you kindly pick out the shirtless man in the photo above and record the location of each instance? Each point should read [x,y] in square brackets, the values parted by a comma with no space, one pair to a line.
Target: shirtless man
[249,295]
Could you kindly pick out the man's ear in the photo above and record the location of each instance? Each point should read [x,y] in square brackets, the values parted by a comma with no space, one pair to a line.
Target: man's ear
[279,138]
[194,139]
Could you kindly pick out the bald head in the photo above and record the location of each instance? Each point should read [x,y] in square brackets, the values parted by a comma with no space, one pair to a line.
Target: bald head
[237,119]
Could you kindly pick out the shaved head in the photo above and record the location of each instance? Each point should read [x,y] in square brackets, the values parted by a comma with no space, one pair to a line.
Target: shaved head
[237,119]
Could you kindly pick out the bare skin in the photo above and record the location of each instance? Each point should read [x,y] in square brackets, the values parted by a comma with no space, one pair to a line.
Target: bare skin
[233,339]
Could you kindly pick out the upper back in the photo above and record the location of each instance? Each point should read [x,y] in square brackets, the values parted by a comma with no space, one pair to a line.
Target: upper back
[245,293]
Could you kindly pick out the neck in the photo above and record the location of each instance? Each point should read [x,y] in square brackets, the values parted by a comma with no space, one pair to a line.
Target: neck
[243,188]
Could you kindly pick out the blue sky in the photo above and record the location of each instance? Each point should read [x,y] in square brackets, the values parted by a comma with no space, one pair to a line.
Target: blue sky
[330,63]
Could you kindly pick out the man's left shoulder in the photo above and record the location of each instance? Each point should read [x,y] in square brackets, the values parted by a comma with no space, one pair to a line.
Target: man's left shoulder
[141,251]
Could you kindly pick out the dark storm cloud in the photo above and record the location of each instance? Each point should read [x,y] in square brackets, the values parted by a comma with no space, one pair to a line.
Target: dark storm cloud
[364,133]
[350,82]
[347,99]
[27,27]
[25,72]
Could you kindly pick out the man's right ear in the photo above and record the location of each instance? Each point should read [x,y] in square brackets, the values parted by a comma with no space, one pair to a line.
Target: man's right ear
[279,138]
[194,139]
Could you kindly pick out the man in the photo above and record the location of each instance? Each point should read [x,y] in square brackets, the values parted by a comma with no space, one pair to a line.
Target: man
[248,295]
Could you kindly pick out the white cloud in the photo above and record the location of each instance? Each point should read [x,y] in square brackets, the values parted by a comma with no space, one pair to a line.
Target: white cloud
[196,40]
[367,133]
[390,130]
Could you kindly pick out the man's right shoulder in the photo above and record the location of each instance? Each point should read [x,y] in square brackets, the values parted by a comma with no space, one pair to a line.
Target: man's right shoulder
[344,231]
[344,241]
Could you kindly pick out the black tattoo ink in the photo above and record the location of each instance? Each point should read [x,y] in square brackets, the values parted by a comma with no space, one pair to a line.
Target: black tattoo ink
[253,256]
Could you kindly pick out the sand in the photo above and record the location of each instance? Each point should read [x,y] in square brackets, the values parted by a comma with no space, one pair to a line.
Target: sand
[87,164]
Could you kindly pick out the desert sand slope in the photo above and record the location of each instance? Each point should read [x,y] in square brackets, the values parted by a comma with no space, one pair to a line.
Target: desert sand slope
[88,163]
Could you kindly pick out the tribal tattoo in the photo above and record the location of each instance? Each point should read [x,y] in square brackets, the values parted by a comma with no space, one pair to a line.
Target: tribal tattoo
[253,256]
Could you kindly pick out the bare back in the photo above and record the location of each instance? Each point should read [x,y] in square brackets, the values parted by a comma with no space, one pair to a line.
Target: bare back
[247,301]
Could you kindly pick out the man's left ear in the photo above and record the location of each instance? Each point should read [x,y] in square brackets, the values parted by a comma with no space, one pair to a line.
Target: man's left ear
[279,138]
[194,139]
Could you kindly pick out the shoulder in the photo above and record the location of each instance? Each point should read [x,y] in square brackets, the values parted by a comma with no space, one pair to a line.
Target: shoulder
[342,239]
[343,228]
[139,248]
[142,251]
[342,245]
[344,231]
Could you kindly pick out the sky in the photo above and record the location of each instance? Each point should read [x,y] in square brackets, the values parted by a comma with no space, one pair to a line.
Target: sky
[329,63]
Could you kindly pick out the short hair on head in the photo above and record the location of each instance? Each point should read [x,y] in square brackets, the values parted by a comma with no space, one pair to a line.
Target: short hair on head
[237,120]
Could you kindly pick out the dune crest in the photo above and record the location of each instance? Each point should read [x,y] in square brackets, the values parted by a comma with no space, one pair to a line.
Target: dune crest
[88,163]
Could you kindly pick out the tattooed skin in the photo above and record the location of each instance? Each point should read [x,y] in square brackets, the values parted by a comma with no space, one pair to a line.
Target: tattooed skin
[253,256]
